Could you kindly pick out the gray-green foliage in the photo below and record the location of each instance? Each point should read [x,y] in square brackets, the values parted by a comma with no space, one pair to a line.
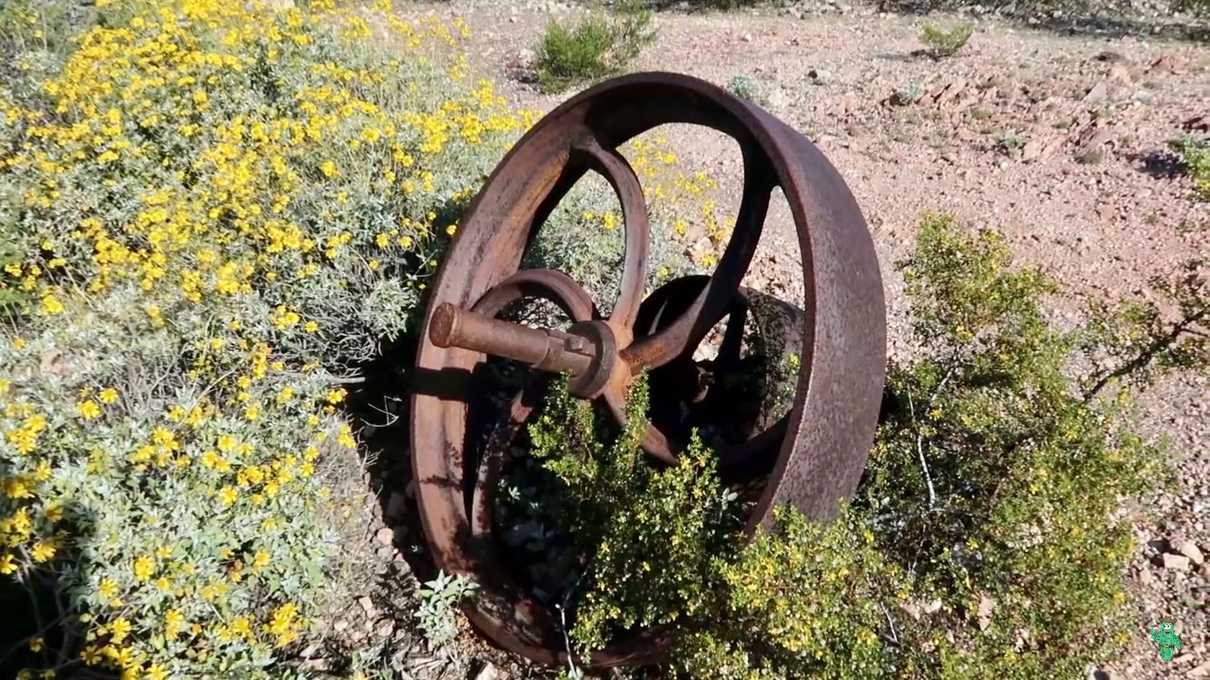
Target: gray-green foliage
[945,42]
[907,95]
[599,45]
[746,87]
[438,599]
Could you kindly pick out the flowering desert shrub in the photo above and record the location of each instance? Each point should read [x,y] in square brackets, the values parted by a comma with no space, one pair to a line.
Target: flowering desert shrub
[211,211]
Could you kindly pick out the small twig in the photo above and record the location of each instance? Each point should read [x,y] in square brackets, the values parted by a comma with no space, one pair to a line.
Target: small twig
[890,622]
[575,671]
[928,477]
[391,417]
[353,380]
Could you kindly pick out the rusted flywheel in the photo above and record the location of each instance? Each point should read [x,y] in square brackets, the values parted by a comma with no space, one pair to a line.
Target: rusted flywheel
[816,452]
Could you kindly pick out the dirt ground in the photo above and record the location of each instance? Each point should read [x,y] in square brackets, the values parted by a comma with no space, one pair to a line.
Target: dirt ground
[1058,141]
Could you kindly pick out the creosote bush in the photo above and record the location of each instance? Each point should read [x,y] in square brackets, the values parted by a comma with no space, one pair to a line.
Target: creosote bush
[599,45]
[1196,156]
[983,541]
[945,42]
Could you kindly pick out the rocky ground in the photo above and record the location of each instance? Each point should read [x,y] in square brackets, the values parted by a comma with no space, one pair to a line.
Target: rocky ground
[1056,138]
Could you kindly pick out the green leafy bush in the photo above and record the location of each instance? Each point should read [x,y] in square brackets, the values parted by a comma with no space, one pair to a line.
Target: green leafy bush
[983,541]
[598,45]
[746,87]
[945,42]
[1196,156]
[662,528]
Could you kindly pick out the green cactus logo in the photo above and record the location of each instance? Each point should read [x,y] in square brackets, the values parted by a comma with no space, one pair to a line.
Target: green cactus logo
[1169,642]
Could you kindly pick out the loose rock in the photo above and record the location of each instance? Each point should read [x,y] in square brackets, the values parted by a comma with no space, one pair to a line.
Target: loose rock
[489,672]
[1189,549]
[1175,562]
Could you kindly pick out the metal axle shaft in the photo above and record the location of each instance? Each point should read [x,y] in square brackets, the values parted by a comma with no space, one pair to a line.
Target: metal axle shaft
[545,349]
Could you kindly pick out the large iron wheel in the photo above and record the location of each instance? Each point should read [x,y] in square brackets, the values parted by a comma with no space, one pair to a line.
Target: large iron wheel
[817,451]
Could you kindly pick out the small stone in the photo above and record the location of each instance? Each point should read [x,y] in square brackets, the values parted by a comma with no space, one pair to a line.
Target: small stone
[747,37]
[1175,562]
[385,536]
[987,607]
[1099,93]
[1090,157]
[1109,56]
[489,672]
[820,76]
[367,605]
[1202,671]
[1189,549]
[1032,150]
[1145,577]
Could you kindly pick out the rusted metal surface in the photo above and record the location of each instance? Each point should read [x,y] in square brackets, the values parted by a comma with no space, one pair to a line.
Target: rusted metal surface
[815,454]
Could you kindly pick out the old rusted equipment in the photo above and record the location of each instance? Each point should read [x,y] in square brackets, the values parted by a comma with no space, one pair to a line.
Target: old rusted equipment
[815,454]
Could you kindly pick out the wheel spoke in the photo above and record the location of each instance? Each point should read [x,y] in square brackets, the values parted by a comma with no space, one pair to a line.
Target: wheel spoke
[613,167]
[733,339]
[715,300]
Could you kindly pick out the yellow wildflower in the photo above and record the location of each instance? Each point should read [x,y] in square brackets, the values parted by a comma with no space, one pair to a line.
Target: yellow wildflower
[108,589]
[88,409]
[51,304]
[119,628]
[42,551]
[174,623]
[143,567]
